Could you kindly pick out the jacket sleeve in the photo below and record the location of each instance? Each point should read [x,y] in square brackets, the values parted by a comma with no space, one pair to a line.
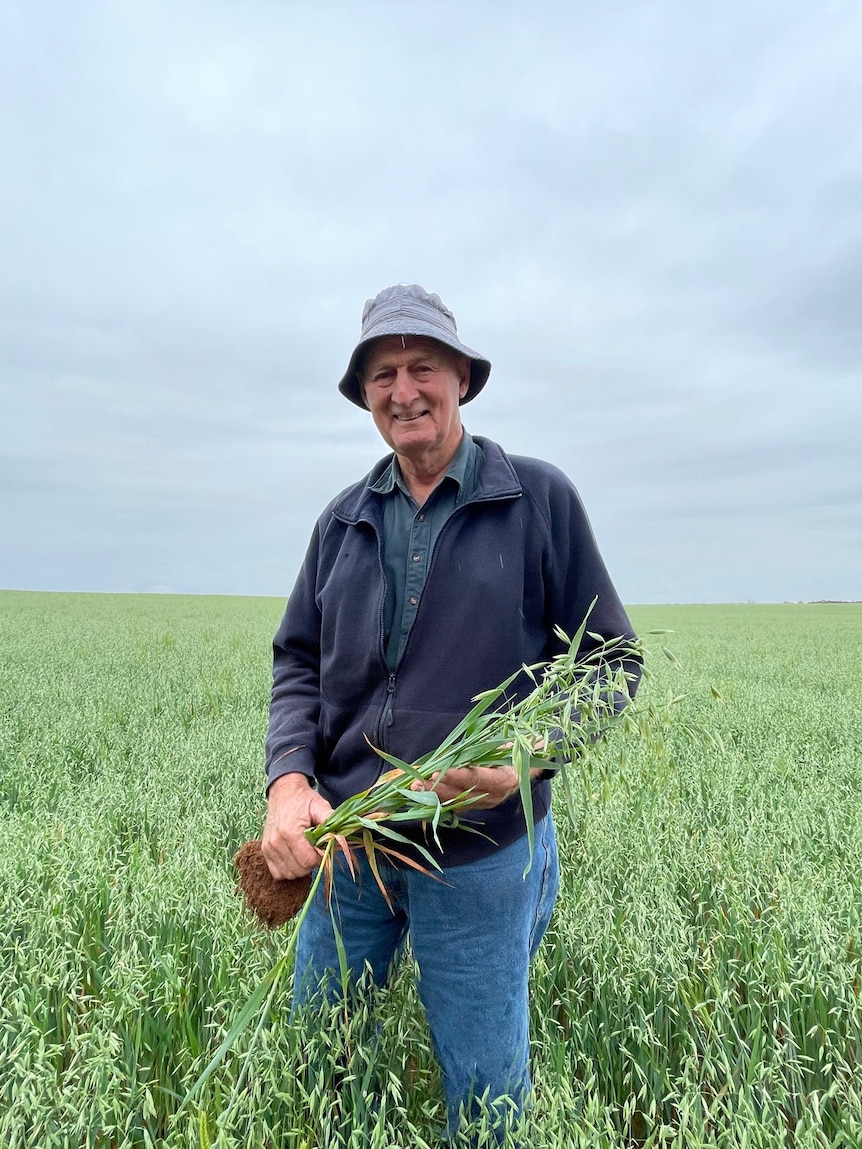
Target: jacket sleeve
[576,575]
[292,737]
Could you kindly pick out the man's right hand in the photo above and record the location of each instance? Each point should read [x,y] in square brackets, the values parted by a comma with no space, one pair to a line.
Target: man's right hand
[294,806]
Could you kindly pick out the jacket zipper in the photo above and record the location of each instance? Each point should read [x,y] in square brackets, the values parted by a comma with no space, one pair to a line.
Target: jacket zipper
[390,694]
[385,719]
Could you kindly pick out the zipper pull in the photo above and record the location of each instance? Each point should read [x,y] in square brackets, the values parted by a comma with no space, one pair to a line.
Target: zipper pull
[390,690]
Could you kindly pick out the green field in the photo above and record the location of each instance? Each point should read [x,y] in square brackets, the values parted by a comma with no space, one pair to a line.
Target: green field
[699,985]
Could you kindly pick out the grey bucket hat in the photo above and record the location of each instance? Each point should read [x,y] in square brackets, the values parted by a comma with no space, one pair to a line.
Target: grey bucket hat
[408,309]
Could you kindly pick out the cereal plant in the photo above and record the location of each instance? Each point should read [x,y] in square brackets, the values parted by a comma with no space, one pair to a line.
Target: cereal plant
[699,985]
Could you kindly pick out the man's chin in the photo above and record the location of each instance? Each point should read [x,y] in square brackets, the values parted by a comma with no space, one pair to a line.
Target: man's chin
[404,440]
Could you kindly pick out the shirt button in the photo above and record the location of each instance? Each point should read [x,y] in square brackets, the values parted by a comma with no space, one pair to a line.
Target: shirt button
[416,558]
[413,600]
[421,517]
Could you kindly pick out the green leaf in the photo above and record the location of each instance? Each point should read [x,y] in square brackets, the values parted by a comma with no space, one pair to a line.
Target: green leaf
[521,762]
[396,763]
[420,797]
[484,703]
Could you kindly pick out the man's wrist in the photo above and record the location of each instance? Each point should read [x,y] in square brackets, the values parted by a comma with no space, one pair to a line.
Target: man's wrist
[294,781]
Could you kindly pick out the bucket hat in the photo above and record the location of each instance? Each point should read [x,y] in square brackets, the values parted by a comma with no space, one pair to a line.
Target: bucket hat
[408,309]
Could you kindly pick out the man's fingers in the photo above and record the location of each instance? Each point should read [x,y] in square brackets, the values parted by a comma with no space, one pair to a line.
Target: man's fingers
[318,810]
[488,785]
[289,858]
[287,851]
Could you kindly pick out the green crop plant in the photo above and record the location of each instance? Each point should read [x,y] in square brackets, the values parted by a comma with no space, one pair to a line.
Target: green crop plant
[699,985]
[578,697]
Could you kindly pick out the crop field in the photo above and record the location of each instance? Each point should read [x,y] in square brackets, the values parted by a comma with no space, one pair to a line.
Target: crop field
[699,985]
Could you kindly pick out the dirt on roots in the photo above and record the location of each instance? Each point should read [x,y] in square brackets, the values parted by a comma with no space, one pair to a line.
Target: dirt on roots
[272,901]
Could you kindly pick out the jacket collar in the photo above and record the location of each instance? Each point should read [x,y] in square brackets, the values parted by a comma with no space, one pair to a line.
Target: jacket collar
[496,480]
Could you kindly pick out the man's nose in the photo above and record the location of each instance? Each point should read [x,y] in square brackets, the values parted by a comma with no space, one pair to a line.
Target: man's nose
[404,388]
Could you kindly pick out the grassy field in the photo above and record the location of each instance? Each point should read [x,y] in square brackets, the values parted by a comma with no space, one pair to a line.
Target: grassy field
[699,985]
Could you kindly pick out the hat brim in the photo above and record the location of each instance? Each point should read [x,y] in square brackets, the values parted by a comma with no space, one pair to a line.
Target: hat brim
[350,387]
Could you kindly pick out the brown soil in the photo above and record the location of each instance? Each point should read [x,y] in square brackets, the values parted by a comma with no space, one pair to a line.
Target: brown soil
[273,902]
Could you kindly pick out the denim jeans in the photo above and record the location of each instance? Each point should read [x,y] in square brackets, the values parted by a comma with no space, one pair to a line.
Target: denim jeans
[472,936]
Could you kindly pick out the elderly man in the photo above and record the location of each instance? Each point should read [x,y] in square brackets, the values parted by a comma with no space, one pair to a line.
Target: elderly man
[431,579]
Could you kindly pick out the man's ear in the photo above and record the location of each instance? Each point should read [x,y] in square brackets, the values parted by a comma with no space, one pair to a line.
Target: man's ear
[463,376]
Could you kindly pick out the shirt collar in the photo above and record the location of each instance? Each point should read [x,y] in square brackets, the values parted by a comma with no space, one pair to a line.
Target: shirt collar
[456,470]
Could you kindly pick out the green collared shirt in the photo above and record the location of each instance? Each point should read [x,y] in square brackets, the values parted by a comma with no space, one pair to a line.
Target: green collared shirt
[409,535]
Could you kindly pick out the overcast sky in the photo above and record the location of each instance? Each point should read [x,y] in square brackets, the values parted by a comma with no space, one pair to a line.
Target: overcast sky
[648,216]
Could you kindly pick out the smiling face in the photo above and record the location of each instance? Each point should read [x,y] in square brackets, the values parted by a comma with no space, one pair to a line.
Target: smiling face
[412,388]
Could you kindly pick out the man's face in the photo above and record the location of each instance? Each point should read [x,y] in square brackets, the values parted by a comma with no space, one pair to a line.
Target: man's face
[412,391]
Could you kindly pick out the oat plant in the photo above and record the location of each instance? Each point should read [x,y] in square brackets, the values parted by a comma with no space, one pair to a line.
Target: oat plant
[576,699]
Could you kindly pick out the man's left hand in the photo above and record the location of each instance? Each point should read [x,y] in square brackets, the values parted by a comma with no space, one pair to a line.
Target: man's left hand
[491,784]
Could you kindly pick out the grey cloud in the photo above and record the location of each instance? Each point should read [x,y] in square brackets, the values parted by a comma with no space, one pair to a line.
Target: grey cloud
[647,216]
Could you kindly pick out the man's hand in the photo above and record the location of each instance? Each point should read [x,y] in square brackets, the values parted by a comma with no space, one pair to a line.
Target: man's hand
[294,806]
[491,784]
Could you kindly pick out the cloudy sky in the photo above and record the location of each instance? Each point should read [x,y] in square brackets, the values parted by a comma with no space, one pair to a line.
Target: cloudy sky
[647,215]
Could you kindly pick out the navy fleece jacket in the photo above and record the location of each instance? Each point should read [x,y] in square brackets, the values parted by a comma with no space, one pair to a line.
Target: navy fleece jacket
[510,564]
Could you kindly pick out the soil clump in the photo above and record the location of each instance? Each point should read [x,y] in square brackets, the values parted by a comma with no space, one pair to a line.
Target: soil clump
[272,901]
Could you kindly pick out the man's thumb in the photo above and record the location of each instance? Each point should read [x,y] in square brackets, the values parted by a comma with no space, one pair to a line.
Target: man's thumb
[318,810]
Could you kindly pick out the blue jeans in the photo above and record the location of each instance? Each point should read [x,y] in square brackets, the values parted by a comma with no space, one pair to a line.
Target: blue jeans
[472,938]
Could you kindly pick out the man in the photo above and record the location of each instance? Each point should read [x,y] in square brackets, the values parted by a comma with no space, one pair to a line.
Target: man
[433,578]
